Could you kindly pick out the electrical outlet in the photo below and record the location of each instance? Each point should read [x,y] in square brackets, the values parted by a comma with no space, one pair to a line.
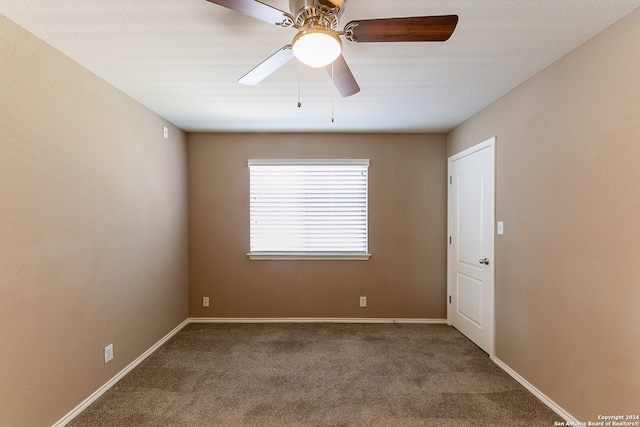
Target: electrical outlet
[363,301]
[205,301]
[108,353]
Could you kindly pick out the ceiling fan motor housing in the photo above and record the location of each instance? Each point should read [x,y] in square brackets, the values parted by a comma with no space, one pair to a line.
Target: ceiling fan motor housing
[317,13]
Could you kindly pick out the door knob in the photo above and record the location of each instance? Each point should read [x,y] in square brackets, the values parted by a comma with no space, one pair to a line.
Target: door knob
[484,261]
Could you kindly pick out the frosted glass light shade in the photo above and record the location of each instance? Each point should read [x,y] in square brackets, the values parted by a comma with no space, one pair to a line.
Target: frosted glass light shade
[316,47]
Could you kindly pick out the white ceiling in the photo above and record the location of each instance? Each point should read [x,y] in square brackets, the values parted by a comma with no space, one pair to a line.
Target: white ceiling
[181,59]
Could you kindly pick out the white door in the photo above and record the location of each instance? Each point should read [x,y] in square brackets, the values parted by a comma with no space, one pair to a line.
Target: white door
[470,255]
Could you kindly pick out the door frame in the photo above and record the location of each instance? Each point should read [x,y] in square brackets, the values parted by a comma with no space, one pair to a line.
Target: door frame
[489,143]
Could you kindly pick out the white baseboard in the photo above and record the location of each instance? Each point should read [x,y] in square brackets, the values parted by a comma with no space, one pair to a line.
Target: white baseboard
[313,320]
[540,395]
[89,400]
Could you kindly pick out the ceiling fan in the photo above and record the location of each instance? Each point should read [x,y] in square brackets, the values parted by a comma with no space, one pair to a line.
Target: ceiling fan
[318,43]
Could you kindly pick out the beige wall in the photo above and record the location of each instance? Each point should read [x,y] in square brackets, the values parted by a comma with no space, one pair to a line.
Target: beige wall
[93,230]
[568,191]
[406,275]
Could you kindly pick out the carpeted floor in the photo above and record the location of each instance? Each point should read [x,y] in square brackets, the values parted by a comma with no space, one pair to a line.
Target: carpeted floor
[317,375]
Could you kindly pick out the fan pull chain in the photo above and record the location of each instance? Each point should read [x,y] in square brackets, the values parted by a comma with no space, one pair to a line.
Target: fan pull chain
[299,98]
[332,90]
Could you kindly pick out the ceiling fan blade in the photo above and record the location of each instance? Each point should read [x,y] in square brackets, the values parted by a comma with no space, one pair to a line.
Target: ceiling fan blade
[342,77]
[268,66]
[257,10]
[412,29]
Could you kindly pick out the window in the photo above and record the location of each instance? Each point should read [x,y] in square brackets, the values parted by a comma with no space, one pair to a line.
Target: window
[308,209]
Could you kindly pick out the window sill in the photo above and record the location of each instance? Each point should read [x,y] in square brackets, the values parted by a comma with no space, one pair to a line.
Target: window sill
[292,256]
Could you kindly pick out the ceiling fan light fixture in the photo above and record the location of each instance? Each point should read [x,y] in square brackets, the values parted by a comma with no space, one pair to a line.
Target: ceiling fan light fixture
[316,47]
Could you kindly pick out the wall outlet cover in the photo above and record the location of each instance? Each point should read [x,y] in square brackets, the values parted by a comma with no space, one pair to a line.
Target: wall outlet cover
[108,353]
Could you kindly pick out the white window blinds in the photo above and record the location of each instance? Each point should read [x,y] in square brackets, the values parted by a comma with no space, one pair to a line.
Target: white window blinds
[308,207]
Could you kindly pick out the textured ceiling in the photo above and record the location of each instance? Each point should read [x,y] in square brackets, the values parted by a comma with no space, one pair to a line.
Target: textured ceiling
[182,59]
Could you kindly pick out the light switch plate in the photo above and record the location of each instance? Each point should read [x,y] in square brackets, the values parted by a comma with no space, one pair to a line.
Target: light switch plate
[500,227]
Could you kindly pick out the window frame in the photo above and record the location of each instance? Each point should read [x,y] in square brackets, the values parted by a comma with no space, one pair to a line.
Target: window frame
[313,255]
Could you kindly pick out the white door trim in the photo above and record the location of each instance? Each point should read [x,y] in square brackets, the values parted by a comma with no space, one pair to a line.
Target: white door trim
[491,142]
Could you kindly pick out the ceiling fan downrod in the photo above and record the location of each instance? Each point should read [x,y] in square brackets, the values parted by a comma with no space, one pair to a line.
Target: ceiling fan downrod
[316,13]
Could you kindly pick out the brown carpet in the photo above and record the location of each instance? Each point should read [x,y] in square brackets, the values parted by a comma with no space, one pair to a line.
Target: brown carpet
[317,375]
